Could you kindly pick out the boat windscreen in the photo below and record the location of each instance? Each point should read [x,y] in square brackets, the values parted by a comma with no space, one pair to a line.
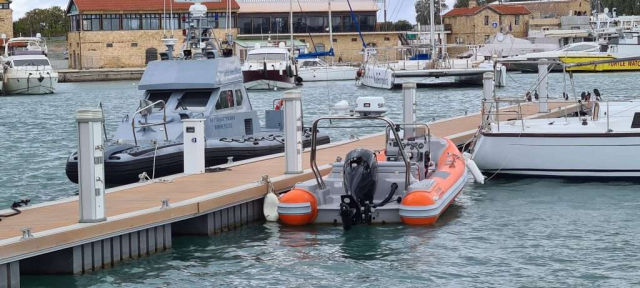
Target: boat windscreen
[157,96]
[195,100]
[267,57]
[31,62]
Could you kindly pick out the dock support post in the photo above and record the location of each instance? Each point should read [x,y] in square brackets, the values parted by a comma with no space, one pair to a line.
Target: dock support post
[543,66]
[10,275]
[91,165]
[194,143]
[488,86]
[293,132]
[409,107]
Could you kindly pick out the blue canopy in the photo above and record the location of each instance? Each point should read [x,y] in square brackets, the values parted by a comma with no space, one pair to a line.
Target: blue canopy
[316,54]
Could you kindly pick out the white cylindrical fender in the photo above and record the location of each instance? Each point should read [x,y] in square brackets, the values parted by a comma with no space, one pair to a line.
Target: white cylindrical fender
[475,171]
[270,207]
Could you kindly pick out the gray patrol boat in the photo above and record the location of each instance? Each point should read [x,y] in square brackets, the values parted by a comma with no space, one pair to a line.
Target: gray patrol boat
[205,82]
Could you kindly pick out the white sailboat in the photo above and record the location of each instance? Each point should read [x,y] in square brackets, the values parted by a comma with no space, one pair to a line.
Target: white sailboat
[312,68]
[26,68]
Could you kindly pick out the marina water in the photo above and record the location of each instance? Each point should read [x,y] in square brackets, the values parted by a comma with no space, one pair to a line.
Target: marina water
[510,232]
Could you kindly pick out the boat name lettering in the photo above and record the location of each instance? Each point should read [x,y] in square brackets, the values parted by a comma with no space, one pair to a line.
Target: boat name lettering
[380,80]
[223,119]
[232,72]
[626,63]
[223,126]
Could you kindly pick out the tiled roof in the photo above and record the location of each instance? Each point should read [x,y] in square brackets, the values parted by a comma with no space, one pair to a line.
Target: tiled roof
[144,5]
[500,9]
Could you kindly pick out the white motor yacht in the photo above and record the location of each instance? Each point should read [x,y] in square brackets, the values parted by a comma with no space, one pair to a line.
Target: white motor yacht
[26,68]
[268,68]
[580,48]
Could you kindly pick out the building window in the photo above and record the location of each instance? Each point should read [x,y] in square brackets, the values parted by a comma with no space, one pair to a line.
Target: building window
[131,22]
[517,20]
[387,39]
[212,19]
[336,22]
[347,24]
[261,25]
[367,23]
[486,38]
[109,45]
[150,21]
[486,20]
[354,39]
[111,22]
[4,6]
[134,44]
[279,25]
[245,25]
[335,40]
[222,21]
[299,25]
[169,22]
[90,22]
[75,23]
[315,24]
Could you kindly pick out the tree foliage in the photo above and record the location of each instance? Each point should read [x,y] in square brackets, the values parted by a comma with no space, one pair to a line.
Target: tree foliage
[465,3]
[50,22]
[401,25]
[423,10]
[623,7]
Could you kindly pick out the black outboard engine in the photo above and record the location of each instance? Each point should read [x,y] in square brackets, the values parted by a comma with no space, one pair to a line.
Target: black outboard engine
[360,181]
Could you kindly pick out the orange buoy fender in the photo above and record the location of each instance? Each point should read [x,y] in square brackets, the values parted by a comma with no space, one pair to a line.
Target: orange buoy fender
[298,207]
[413,207]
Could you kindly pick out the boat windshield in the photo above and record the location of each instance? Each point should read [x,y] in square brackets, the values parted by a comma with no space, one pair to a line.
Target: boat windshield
[31,62]
[157,96]
[267,57]
[314,63]
[581,47]
[194,100]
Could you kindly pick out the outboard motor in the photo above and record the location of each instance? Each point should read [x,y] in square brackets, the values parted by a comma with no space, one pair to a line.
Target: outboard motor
[360,181]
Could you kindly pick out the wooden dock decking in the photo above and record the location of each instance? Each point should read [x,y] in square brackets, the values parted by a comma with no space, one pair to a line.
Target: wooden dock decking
[55,225]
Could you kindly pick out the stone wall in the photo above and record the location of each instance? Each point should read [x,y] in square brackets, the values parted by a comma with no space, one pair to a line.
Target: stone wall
[471,30]
[348,46]
[6,22]
[119,49]
[558,9]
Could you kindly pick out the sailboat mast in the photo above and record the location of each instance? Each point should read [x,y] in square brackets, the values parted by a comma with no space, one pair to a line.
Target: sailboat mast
[291,26]
[432,28]
[330,27]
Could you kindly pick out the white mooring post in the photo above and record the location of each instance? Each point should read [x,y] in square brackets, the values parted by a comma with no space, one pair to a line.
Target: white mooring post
[194,143]
[543,91]
[293,132]
[91,165]
[409,108]
[488,86]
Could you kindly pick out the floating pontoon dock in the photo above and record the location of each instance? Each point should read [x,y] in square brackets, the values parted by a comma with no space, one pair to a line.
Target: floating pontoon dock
[47,238]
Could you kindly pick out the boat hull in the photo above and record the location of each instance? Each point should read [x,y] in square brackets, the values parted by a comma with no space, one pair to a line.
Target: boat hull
[259,80]
[588,155]
[328,74]
[35,84]
[632,65]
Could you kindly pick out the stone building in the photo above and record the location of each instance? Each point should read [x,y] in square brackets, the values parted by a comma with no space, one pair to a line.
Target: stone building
[128,33]
[475,25]
[263,19]
[6,18]
[548,14]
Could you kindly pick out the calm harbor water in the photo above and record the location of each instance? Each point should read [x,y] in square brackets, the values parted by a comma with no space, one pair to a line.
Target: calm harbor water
[510,232]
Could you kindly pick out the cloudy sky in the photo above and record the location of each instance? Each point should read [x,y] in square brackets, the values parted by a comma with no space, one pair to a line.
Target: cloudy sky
[396,9]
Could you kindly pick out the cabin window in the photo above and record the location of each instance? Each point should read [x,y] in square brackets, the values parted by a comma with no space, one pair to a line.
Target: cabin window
[31,62]
[157,96]
[238,98]
[636,120]
[267,57]
[225,100]
[195,100]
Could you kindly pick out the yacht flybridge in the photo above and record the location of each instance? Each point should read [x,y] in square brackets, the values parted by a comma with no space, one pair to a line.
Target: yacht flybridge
[26,68]
[205,82]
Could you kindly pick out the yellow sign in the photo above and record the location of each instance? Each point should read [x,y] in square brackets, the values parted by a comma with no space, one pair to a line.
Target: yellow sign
[632,65]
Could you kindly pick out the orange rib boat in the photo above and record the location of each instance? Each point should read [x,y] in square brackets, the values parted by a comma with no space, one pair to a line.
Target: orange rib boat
[412,183]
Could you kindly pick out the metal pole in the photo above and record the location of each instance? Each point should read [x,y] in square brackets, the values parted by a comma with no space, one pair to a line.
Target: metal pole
[542,87]
[293,132]
[432,29]
[291,27]
[91,179]
[409,104]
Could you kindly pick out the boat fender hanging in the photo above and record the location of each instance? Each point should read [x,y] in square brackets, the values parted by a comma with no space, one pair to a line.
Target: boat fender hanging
[264,70]
[289,71]
[271,201]
[279,105]
[475,171]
